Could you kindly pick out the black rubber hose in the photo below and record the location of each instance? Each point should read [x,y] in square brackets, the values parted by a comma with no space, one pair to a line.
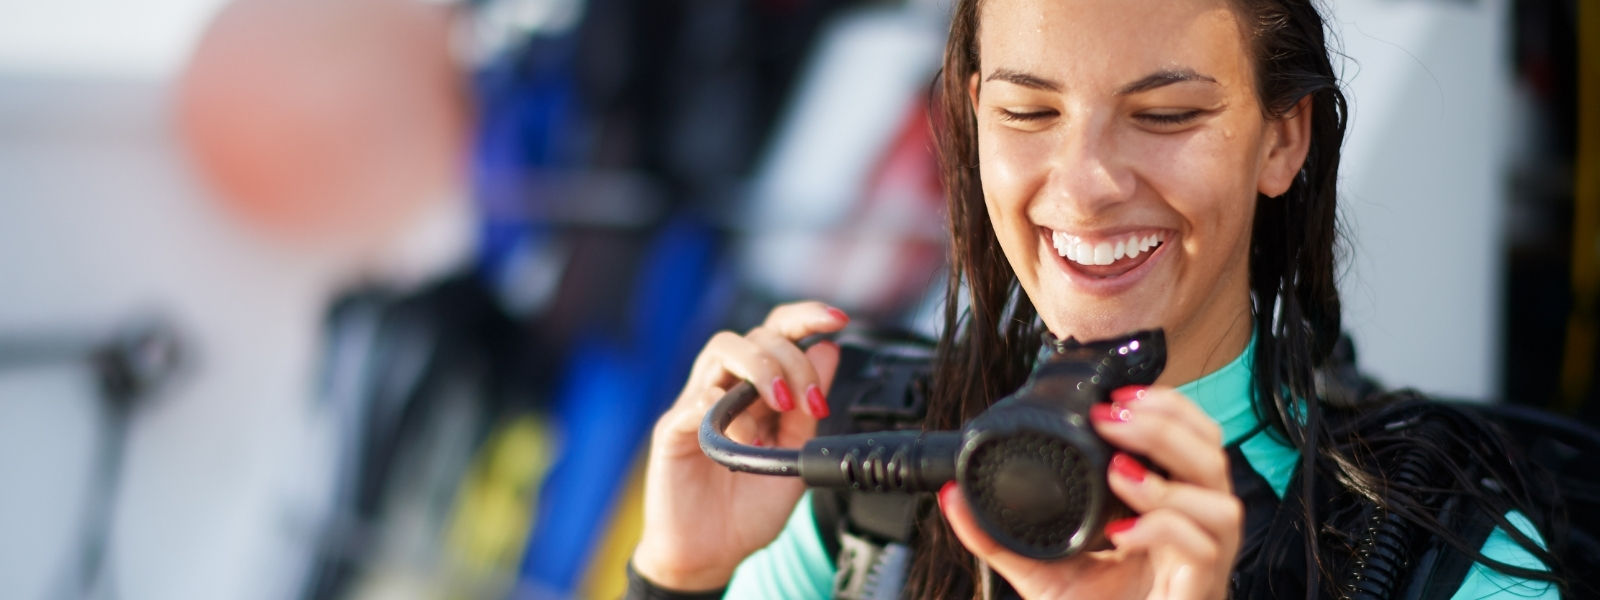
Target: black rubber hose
[887,461]
[884,461]
[1383,556]
[734,455]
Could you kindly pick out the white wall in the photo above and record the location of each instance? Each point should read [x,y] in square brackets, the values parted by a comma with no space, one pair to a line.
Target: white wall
[1423,188]
[100,38]
[102,219]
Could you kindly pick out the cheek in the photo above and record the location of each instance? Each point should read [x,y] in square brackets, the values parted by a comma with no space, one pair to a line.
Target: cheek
[1012,168]
[1209,178]
[1211,159]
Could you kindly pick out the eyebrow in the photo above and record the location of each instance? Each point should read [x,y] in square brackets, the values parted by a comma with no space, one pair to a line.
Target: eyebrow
[1024,79]
[1163,78]
[1147,83]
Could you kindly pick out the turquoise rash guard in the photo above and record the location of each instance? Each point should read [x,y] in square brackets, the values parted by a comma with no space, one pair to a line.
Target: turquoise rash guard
[797,566]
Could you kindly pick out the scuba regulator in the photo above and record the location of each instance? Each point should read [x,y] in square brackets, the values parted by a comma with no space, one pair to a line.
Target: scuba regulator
[1030,466]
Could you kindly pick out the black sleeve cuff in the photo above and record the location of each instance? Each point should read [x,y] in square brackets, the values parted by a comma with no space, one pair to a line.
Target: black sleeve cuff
[640,588]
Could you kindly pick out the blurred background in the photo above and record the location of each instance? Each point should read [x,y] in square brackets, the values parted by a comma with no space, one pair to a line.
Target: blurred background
[378,299]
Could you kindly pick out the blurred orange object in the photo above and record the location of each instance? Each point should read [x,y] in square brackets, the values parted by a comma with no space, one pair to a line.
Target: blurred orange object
[327,122]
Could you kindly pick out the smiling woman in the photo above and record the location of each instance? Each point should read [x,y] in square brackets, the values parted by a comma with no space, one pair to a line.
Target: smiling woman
[1162,138]
[1112,166]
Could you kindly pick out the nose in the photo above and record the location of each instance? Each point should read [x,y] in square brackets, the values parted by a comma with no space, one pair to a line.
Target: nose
[1087,173]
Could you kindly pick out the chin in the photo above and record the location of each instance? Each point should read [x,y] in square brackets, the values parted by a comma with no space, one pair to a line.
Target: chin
[1097,318]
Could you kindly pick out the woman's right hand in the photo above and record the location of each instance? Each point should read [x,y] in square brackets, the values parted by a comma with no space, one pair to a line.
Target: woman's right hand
[700,519]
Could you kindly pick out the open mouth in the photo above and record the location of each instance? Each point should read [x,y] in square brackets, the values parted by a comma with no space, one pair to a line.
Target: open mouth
[1108,257]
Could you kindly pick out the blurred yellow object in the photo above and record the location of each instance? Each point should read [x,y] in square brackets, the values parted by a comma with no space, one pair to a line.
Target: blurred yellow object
[495,505]
[327,122]
[606,578]
[1583,327]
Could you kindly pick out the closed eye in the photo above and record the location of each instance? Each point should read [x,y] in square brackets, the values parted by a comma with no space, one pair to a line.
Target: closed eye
[1167,119]
[1024,116]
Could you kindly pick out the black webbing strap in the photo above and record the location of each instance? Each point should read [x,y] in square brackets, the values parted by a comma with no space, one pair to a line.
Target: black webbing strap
[640,588]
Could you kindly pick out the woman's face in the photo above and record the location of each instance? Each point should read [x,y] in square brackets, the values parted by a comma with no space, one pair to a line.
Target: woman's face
[1121,147]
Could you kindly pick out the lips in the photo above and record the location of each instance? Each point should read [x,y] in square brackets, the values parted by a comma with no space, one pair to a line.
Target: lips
[1108,256]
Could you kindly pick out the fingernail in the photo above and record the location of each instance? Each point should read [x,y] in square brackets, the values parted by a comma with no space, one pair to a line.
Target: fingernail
[838,315]
[948,488]
[758,442]
[818,404]
[1113,412]
[1121,525]
[780,394]
[1129,393]
[1126,466]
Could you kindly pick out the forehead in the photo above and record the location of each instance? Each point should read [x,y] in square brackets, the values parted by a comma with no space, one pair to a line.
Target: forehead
[1110,42]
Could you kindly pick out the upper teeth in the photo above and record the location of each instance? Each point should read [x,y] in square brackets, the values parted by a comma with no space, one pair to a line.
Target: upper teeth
[1105,252]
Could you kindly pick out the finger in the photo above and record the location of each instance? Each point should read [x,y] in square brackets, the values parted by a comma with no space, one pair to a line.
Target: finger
[1219,513]
[824,357]
[1159,588]
[752,429]
[1174,404]
[676,434]
[959,514]
[798,320]
[1183,584]
[708,370]
[792,429]
[1168,536]
[1157,435]
[799,374]
[759,425]
[743,359]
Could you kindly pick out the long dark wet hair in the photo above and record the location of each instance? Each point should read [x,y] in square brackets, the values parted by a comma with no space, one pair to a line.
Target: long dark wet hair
[992,331]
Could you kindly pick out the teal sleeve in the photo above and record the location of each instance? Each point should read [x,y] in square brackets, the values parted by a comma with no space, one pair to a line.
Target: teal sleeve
[794,566]
[1483,582]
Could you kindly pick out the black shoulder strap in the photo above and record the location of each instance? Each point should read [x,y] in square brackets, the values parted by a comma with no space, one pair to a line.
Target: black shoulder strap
[1260,510]
[1440,569]
[827,511]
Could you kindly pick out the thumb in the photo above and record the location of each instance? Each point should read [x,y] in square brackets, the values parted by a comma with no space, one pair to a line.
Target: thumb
[953,503]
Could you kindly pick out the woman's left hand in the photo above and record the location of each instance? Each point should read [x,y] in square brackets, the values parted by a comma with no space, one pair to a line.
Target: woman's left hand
[1182,544]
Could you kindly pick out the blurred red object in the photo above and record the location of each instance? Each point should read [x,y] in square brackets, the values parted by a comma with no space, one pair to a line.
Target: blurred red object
[327,122]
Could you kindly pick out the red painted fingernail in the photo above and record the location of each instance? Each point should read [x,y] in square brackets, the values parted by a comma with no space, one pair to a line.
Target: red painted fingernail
[758,442]
[1129,393]
[780,394]
[1121,525]
[1113,413]
[838,315]
[818,404]
[1126,466]
[948,488]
